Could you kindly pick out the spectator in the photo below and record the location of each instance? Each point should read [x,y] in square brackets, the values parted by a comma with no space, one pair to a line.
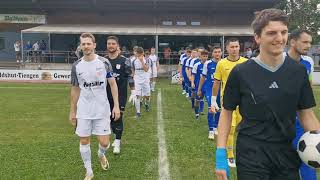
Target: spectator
[181,51]
[248,53]
[28,50]
[166,54]
[36,50]
[125,52]
[43,48]
[17,49]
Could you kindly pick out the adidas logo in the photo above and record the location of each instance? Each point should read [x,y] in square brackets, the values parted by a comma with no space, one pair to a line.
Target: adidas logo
[274,85]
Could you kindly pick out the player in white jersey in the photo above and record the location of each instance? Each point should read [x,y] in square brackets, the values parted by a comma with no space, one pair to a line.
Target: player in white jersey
[149,62]
[132,97]
[141,80]
[154,68]
[89,105]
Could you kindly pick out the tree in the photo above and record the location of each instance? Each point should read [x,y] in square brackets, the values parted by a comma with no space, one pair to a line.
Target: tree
[303,14]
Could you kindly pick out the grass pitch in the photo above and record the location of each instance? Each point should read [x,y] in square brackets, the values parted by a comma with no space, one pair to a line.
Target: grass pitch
[37,141]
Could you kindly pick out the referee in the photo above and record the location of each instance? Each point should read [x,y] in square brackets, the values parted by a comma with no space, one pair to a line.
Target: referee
[121,71]
[269,90]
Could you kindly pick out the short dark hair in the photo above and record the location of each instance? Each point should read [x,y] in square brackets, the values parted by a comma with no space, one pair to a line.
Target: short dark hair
[147,53]
[263,18]
[88,35]
[217,47]
[140,50]
[113,38]
[233,39]
[189,51]
[295,34]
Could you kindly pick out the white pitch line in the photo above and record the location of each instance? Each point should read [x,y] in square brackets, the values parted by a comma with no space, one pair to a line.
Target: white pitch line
[164,173]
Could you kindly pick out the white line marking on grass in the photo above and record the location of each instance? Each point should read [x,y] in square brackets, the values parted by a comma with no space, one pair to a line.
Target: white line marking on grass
[164,173]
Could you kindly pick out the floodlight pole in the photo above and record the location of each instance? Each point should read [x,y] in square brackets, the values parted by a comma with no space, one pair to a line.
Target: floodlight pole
[49,42]
[222,46]
[49,47]
[157,44]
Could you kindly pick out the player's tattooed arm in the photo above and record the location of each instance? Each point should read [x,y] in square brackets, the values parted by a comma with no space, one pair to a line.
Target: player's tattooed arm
[114,90]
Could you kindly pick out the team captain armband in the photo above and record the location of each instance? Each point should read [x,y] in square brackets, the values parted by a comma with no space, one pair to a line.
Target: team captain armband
[109,75]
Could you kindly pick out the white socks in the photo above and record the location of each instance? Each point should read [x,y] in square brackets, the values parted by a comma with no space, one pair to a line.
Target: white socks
[101,151]
[137,104]
[153,85]
[85,152]
[117,142]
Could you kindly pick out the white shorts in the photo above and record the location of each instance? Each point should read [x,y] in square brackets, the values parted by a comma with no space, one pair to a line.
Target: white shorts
[154,73]
[86,127]
[142,89]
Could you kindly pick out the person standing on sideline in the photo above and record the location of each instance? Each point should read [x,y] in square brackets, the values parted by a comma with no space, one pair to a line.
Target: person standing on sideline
[121,71]
[89,105]
[17,49]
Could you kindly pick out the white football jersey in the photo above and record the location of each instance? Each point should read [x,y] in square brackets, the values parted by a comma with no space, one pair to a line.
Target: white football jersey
[154,60]
[91,77]
[139,74]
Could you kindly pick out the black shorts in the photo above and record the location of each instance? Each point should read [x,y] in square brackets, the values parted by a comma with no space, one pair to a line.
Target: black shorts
[260,160]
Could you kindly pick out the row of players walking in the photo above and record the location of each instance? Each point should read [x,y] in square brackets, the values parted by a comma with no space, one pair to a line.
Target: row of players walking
[201,78]
[99,94]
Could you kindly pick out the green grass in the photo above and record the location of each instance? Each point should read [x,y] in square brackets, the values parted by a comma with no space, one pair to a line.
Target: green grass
[37,141]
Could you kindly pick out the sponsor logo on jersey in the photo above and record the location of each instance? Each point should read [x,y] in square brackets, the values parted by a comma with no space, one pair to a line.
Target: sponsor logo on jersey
[93,84]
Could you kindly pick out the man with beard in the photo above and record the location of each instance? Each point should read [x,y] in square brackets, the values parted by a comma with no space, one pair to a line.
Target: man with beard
[299,45]
[121,71]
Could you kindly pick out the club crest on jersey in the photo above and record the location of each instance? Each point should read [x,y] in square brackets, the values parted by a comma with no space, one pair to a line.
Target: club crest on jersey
[118,66]
[92,84]
[99,73]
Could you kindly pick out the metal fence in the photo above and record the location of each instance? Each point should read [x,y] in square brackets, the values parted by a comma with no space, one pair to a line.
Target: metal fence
[164,57]
[70,57]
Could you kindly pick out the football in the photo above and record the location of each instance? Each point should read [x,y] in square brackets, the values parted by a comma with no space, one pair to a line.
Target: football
[309,148]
